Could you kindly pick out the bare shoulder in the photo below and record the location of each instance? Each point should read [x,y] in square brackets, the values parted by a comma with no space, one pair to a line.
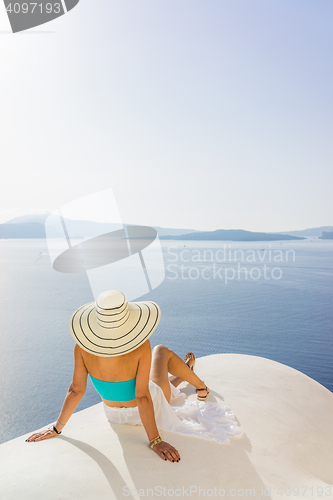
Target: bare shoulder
[144,348]
[80,355]
[78,351]
[142,354]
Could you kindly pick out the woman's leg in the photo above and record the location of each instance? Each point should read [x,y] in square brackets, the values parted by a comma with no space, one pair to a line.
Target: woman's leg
[165,361]
[190,361]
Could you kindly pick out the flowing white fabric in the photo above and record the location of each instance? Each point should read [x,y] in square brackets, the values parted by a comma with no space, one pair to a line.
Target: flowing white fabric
[202,419]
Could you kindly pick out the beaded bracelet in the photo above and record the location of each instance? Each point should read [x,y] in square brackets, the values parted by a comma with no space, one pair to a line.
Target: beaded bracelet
[154,442]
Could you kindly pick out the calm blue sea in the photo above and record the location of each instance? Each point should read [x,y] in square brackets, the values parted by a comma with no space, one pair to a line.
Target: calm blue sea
[217,297]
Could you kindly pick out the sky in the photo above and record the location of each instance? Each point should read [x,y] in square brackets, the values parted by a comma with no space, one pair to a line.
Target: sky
[198,114]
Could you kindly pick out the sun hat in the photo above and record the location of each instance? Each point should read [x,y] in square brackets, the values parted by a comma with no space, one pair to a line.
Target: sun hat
[112,326]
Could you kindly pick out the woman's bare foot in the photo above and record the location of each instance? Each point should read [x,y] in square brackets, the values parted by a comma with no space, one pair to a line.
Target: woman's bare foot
[190,360]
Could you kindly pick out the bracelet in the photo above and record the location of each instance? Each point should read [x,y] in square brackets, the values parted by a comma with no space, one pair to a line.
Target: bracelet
[158,436]
[154,442]
[55,430]
[60,423]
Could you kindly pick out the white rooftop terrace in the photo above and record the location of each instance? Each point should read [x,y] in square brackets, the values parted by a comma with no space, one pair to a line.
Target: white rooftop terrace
[288,443]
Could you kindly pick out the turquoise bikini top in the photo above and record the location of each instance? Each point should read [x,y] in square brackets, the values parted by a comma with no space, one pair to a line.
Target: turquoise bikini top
[115,391]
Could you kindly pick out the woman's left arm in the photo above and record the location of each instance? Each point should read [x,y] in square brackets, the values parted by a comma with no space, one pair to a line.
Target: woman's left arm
[74,395]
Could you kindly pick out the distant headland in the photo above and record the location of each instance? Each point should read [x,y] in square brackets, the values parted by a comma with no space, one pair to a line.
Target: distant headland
[326,236]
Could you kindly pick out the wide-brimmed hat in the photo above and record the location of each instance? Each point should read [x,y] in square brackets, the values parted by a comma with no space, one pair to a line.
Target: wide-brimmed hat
[112,326]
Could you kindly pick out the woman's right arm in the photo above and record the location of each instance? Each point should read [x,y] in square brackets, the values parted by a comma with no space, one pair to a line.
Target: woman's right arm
[74,395]
[146,408]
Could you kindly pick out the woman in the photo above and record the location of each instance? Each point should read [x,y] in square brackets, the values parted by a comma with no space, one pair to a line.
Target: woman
[112,346]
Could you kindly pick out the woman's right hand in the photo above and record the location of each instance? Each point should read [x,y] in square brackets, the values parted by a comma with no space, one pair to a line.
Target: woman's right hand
[166,451]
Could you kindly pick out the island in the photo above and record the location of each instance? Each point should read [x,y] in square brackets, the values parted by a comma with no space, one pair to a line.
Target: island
[232,235]
[23,230]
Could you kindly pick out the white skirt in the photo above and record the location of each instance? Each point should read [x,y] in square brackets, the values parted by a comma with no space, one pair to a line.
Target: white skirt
[202,419]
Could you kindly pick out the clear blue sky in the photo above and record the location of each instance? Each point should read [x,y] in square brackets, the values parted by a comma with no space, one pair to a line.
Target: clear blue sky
[198,113]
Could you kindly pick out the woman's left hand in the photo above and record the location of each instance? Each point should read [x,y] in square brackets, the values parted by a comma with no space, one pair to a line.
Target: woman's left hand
[39,436]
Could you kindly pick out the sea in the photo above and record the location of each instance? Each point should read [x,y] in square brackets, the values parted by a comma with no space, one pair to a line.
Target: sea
[268,299]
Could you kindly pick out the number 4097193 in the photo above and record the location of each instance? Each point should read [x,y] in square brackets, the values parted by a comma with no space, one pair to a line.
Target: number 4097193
[31,7]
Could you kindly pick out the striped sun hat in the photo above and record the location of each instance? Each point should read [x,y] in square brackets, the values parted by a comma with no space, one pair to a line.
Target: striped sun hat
[112,326]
